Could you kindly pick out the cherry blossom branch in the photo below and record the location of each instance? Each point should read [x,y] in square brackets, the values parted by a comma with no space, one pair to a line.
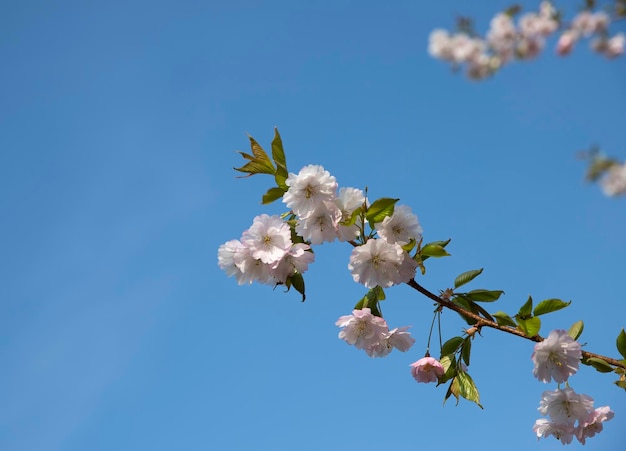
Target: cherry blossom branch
[483,322]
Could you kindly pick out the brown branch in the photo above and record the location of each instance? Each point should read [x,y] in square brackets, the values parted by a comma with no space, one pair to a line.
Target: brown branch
[483,322]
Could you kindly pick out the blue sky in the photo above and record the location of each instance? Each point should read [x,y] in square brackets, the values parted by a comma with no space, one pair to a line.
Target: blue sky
[119,124]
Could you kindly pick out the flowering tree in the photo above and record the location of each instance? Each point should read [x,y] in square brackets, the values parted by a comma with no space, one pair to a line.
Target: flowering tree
[516,36]
[388,250]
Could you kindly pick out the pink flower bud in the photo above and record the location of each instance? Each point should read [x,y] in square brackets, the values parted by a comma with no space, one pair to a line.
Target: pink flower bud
[566,43]
[427,369]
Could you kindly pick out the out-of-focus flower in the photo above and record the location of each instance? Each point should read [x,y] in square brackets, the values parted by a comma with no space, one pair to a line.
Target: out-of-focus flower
[566,42]
[614,181]
[427,369]
[440,45]
[557,357]
[587,23]
[615,46]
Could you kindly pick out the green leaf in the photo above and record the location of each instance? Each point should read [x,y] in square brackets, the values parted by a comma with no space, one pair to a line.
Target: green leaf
[451,346]
[449,367]
[529,326]
[504,320]
[297,281]
[433,250]
[526,310]
[466,305]
[453,389]
[576,330]
[464,301]
[272,194]
[466,277]
[278,154]
[599,364]
[620,384]
[259,163]
[467,388]
[621,343]
[380,209]
[549,306]
[370,300]
[378,292]
[438,243]
[408,247]
[466,350]
[484,295]
[353,217]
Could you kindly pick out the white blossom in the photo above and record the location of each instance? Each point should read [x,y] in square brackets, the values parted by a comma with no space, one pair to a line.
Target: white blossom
[362,329]
[229,255]
[268,238]
[297,260]
[380,263]
[565,406]
[310,187]
[348,200]
[593,423]
[557,357]
[401,227]
[320,224]
[545,428]
[397,338]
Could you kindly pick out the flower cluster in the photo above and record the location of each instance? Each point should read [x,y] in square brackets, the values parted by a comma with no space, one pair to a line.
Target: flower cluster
[319,207]
[265,253]
[569,415]
[382,261]
[369,332]
[506,41]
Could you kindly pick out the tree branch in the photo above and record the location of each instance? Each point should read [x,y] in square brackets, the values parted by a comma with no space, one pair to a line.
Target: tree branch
[483,322]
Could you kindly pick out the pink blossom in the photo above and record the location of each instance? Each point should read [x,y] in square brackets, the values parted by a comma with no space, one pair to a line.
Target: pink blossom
[565,405]
[566,42]
[545,428]
[557,357]
[362,329]
[593,423]
[427,369]
[397,338]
